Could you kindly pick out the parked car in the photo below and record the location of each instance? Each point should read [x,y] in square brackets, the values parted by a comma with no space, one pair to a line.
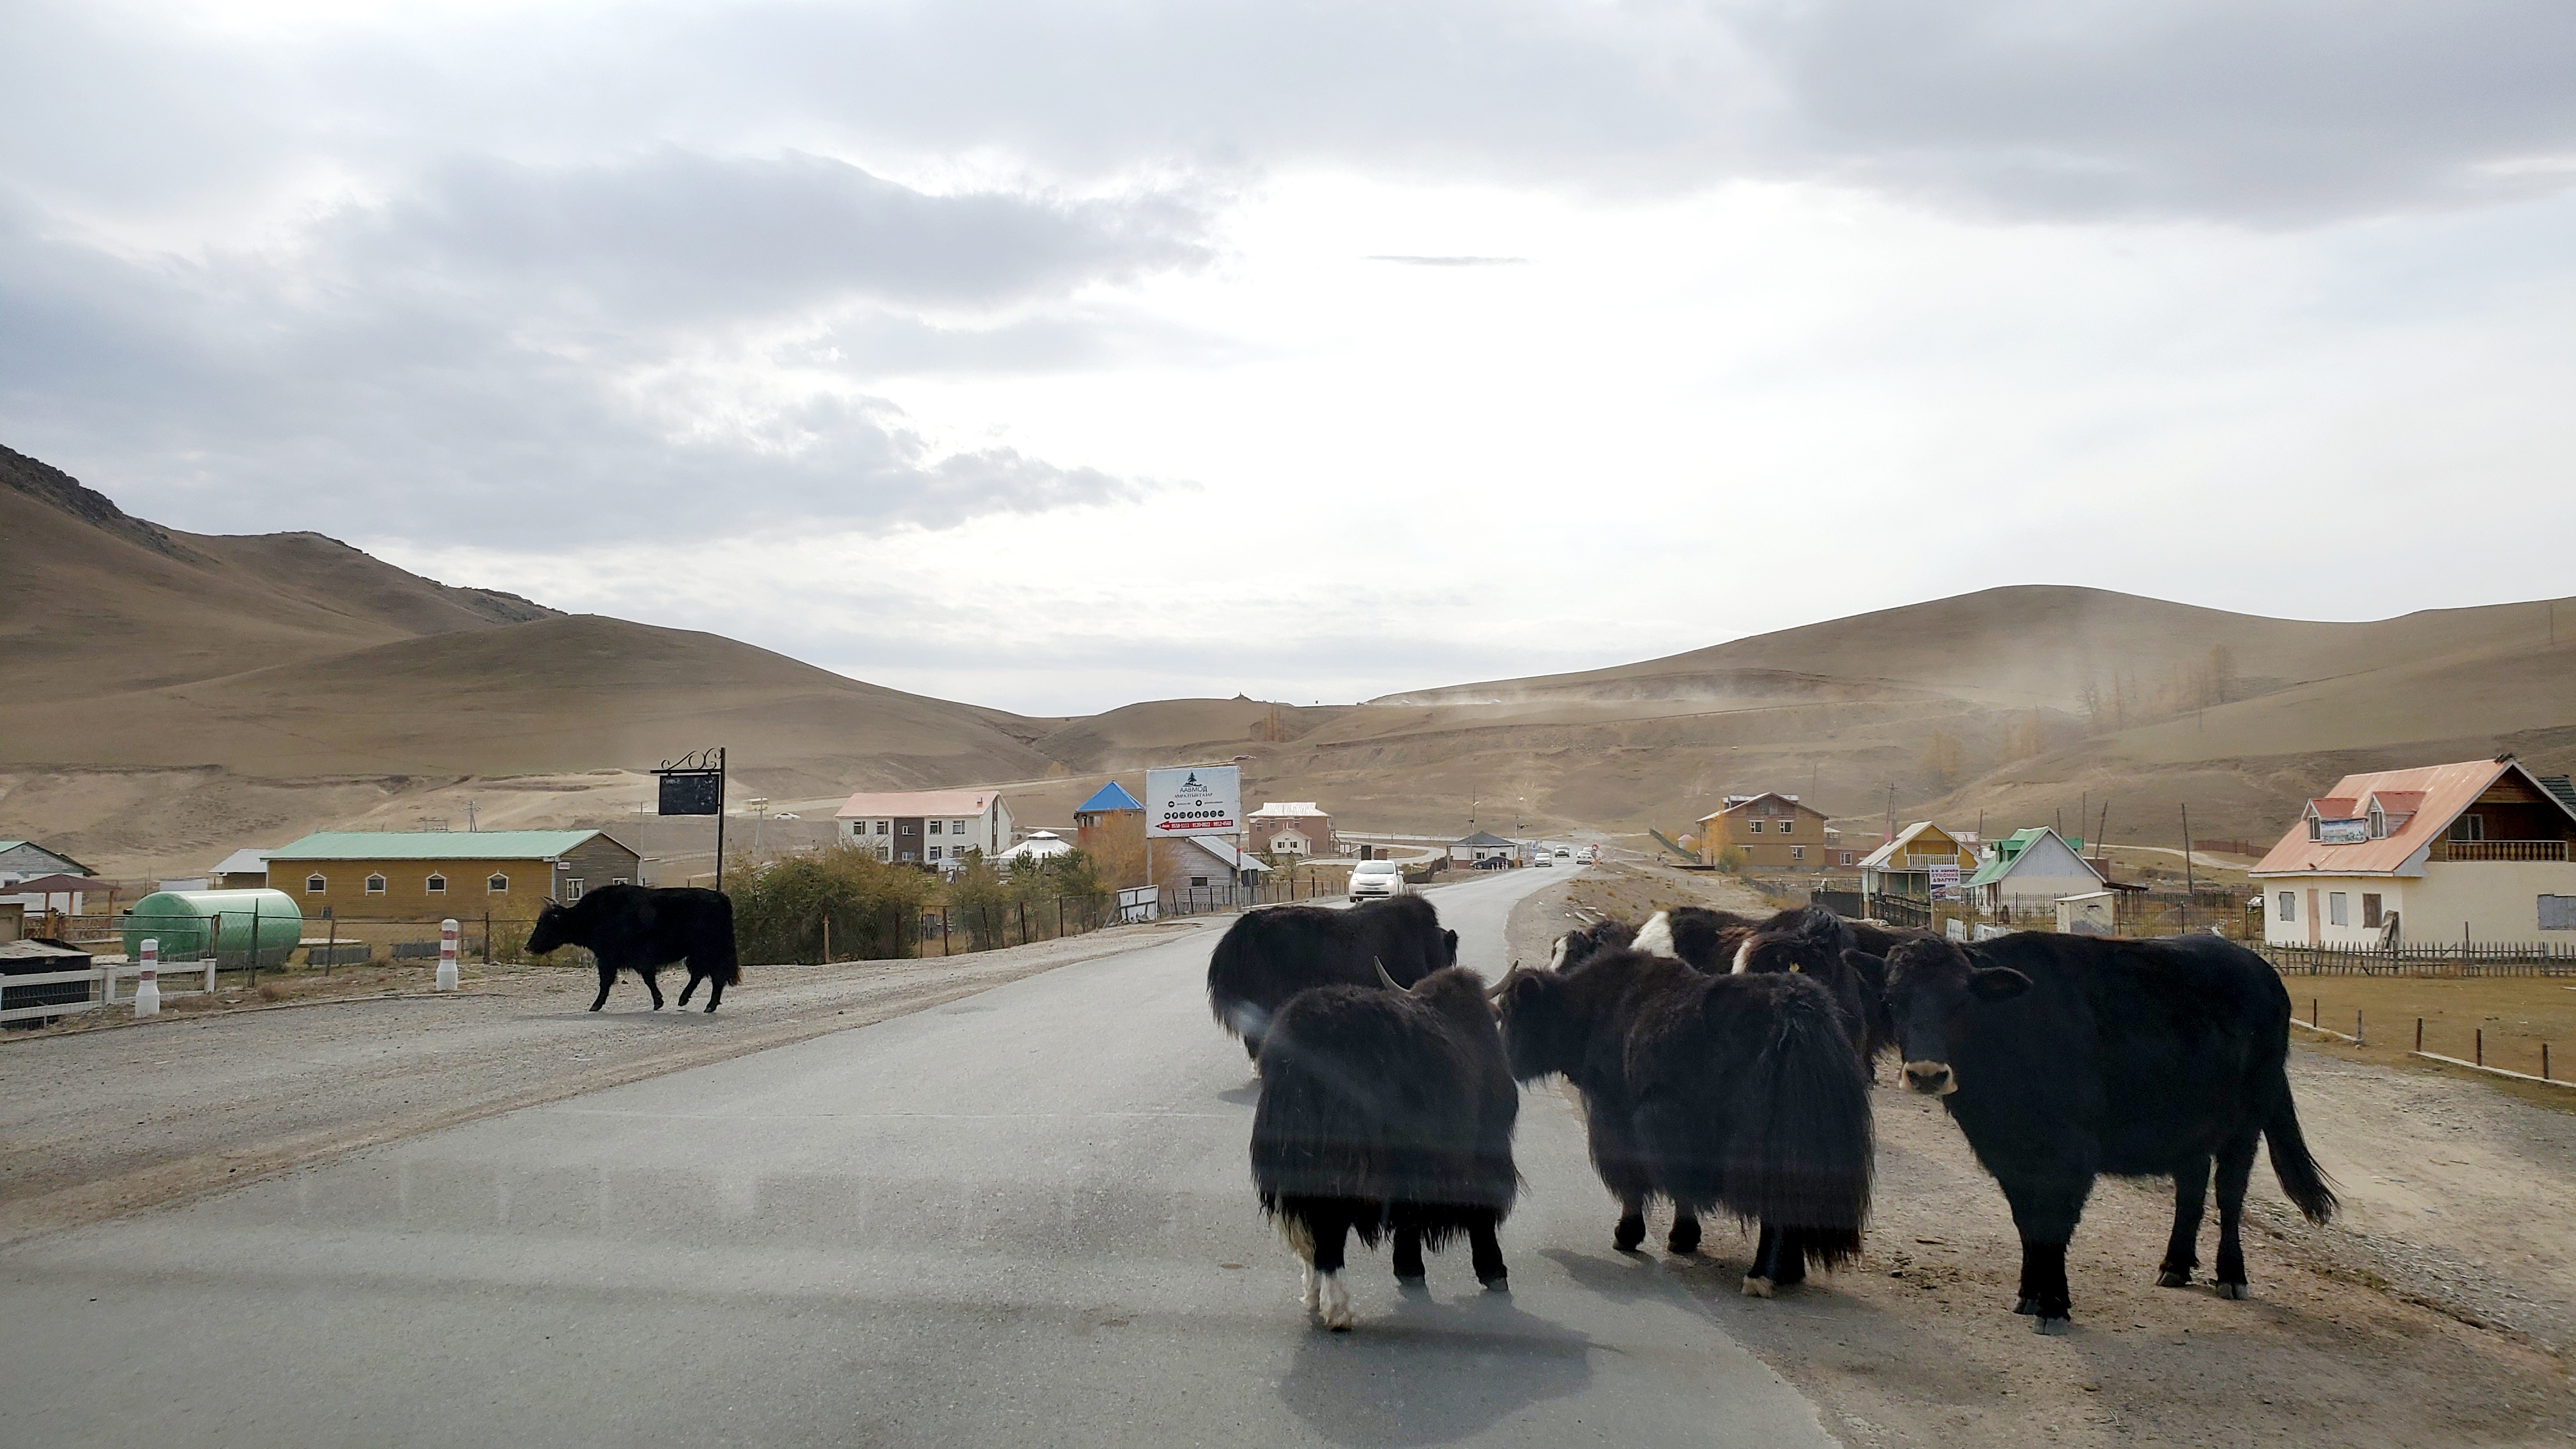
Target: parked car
[1493,862]
[1376,879]
[1542,861]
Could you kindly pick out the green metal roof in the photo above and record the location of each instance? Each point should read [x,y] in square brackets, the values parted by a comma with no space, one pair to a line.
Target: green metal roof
[433,845]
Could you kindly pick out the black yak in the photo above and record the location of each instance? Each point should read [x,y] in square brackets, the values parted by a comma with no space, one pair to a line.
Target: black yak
[1575,947]
[1386,1110]
[1739,1093]
[1815,942]
[2064,1057]
[1272,954]
[643,929]
[1702,938]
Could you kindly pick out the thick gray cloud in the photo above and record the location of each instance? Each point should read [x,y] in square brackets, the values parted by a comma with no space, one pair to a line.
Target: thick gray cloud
[524,342]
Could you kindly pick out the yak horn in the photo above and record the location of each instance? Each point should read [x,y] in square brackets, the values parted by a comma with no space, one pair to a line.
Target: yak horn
[1383,979]
[1495,991]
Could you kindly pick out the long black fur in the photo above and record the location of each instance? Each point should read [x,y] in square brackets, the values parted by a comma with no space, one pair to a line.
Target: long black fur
[1387,1111]
[643,929]
[1814,942]
[2074,1056]
[1732,1093]
[1272,954]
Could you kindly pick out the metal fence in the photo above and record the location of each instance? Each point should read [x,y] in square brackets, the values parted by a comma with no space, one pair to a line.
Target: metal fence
[2459,958]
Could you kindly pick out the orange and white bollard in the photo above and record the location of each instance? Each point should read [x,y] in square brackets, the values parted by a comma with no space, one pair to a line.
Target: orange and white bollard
[147,981]
[447,955]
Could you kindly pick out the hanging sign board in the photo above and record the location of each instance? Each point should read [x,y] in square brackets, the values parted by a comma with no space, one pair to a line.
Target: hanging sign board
[691,792]
[1195,800]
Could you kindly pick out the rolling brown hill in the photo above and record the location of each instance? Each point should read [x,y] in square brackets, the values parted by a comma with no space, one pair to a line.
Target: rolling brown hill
[166,696]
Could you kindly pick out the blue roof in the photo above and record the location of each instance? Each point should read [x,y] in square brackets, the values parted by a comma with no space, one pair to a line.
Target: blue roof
[1112,796]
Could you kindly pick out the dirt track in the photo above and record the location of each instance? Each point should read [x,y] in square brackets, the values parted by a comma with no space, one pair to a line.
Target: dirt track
[98,1123]
[2363,1332]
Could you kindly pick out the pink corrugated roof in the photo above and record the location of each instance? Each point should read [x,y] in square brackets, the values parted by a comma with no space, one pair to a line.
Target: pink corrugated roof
[2442,792]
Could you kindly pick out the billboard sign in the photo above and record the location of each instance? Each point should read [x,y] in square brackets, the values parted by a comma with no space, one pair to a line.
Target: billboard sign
[692,792]
[1193,800]
[2343,832]
[1945,881]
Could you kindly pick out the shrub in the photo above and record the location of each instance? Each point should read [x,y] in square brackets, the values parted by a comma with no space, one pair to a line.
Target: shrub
[779,907]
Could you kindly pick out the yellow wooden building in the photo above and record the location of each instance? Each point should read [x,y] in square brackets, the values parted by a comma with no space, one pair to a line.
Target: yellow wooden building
[1774,831]
[383,875]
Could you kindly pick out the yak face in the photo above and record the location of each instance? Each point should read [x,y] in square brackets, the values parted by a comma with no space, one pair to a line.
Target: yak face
[1539,1031]
[1933,988]
[554,928]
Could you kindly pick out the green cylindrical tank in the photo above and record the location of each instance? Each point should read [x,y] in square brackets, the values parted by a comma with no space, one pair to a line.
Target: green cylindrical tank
[191,925]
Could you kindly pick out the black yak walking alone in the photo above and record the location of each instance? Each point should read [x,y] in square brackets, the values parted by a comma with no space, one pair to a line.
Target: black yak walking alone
[1739,1093]
[1271,955]
[643,929]
[2064,1057]
[1386,1110]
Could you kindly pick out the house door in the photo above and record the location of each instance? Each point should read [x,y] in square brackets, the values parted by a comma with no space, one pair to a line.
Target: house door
[2313,934]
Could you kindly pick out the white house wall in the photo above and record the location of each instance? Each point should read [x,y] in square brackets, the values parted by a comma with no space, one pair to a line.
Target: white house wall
[2498,902]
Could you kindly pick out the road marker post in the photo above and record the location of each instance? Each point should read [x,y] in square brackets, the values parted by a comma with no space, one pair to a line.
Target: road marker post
[447,955]
[147,981]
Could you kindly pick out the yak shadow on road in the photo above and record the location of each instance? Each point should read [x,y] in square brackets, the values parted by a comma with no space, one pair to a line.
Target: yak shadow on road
[1247,1095]
[1431,1372]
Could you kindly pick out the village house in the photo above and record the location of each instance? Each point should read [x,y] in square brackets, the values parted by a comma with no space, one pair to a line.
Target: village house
[1484,845]
[22,859]
[427,875]
[1773,831]
[1924,863]
[1290,827]
[1201,868]
[2478,850]
[243,870]
[925,827]
[2031,870]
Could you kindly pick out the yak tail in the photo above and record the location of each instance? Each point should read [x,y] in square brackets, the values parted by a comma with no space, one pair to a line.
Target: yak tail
[2301,1178]
[1233,968]
[1809,1132]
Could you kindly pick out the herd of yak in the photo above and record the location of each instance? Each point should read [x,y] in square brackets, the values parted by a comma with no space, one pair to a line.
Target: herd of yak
[1725,1065]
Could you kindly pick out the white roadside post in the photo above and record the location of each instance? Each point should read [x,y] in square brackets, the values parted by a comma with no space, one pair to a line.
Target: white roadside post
[447,955]
[147,981]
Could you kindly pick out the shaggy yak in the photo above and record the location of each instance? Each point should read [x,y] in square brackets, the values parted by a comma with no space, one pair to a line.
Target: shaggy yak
[643,929]
[1270,955]
[1739,1093]
[2064,1057]
[1386,1110]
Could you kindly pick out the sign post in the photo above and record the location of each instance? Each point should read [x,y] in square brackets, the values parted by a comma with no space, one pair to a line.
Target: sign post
[1191,800]
[695,785]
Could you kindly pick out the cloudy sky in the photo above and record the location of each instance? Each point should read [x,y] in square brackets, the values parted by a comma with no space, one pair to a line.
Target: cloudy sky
[1051,356]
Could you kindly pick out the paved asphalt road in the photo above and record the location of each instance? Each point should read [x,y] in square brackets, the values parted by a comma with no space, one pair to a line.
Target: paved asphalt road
[1021,1218]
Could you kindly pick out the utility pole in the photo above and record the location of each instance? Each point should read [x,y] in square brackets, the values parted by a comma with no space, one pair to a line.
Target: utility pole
[2190,888]
[1891,812]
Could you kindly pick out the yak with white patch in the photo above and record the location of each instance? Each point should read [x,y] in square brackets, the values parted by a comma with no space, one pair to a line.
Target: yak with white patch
[1385,1111]
[643,929]
[1814,942]
[2064,1057]
[1718,1092]
[1272,954]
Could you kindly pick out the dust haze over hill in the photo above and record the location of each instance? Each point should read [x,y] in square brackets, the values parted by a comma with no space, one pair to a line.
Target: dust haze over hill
[166,697]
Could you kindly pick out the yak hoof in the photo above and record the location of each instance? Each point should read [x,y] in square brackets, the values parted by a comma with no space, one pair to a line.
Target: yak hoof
[1756,1286]
[2173,1278]
[711,1008]
[1498,1285]
[1311,1293]
[1630,1232]
[2231,1290]
[1337,1304]
[1684,1240]
[2026,1307]
[2053,1327]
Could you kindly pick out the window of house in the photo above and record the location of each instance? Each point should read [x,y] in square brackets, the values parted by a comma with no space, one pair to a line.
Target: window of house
[2469,827]
[956,827]
[2338,909]
[618,880]
[375,885]
[2289,910]
[315,885]
[885,852]
[2378,824]
[436,884]
[1797,852]
[1757,827]
[2316,828]
[498,885]
[1785,824]
[882,826]
[2558,913]
[2370,910]
[934,850]
[1198,880]
[572,888]
[934,827]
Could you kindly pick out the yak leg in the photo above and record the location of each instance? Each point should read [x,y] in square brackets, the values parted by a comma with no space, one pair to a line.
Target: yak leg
[1623,1170]
[1330,1225]
[650,984]
[1408,1252]
[1685,1234]
[1779,1261]
[2235,1165]
[1488,1254]
[2182,1251]
[607,978]
[715,991]
[2046,1210]
[691,989]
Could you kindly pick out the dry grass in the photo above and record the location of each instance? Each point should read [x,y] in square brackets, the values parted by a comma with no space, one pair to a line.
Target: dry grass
[2517,1014]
